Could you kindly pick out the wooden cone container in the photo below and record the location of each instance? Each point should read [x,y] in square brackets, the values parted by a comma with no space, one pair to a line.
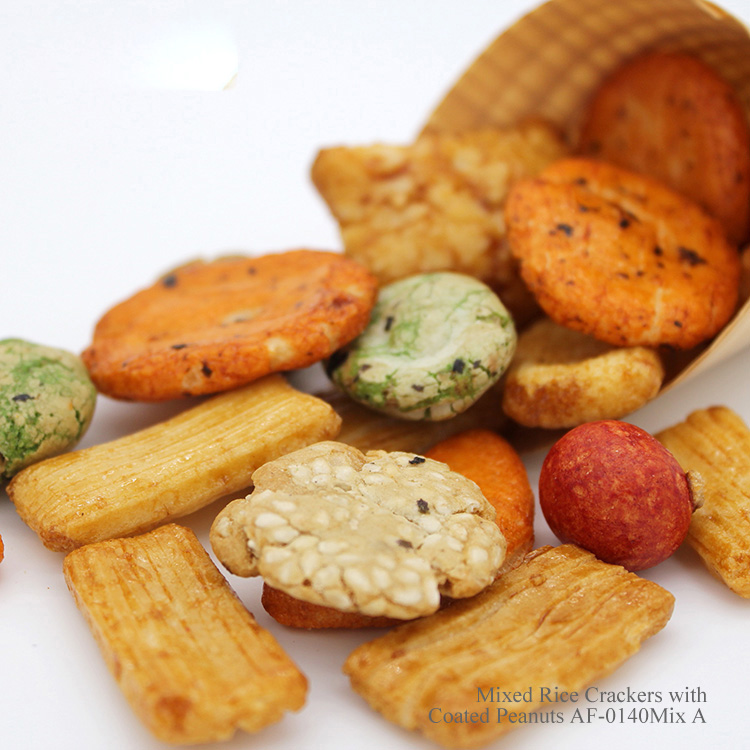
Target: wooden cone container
[551,61]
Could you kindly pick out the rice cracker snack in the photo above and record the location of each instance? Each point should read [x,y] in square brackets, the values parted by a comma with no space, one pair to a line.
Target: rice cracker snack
[47,401]
[211,326]
[671,116]
[560,378]
[434,344]
[480,455]
[619,256]
[436,204]
[190,659]
[715,442]
[562,618]
[382,534]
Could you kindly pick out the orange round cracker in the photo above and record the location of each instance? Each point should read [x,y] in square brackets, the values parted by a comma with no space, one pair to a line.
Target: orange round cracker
[294,613]
[620,256]
[493,464]
[671,116]
[212,326]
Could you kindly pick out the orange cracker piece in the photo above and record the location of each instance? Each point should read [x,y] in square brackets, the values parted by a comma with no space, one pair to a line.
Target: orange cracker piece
[294,613]
[671,116]
[493,464]
[190,659]
[562,619]
[211,326]
[621,257]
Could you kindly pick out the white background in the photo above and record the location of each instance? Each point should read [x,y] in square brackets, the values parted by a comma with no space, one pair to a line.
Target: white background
[112,170]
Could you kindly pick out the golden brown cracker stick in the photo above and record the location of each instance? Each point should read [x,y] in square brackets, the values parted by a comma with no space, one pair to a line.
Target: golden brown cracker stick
[715,442]
[170,469]
[191,660]
[561,619]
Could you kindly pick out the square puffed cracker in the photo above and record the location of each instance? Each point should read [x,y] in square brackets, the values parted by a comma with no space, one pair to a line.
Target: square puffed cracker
[132,484]
[715,443]
[561,619]
[190,659]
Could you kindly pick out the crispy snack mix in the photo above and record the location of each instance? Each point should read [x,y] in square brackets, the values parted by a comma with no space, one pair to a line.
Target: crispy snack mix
[191,660]
[562,619]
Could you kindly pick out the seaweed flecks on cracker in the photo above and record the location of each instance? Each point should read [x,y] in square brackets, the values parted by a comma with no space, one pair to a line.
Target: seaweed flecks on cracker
[211,326]
[635,264]
[47,402]
[435,343]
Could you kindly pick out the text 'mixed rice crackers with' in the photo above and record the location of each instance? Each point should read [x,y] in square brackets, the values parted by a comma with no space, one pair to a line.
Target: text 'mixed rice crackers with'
[383,534]
[560,378]
[562,619]
[619,256]
[715,442]
[191,660]
[170,469]
[435,204]
[211,326]
[671,116]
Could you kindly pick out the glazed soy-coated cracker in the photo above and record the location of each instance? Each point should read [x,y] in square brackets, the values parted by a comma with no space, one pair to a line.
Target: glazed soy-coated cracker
[671,116]
[715,443]
[193,663]
[562,619]
[560,378]
[619,256]
[210,326]
[170,469]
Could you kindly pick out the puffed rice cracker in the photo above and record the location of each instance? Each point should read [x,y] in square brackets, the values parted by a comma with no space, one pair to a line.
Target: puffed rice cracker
[382,534]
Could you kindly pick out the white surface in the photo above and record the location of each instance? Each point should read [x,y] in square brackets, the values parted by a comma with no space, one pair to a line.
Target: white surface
[106,180]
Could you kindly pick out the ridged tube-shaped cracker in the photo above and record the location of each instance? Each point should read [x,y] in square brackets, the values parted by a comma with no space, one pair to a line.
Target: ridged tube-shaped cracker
[166,471]
[715,443]
[190,659]
[562,619]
